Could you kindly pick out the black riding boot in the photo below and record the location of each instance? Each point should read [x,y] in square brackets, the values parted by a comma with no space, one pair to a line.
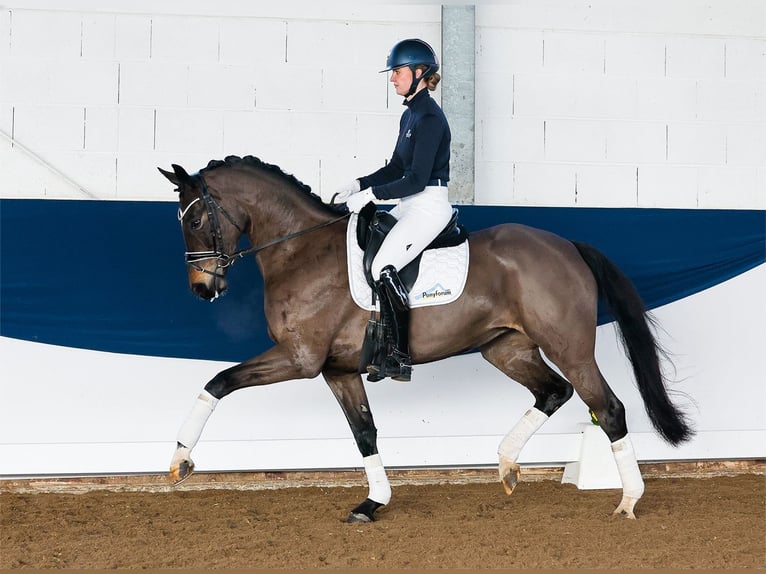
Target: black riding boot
[395,311]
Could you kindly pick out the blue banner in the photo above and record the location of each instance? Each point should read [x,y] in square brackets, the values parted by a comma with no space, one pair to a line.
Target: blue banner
[110,276]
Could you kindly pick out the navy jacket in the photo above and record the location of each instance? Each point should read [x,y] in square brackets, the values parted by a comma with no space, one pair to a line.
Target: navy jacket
[421,153]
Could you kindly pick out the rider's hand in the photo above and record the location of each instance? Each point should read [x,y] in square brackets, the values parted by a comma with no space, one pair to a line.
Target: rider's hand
[345,191]
[357,201]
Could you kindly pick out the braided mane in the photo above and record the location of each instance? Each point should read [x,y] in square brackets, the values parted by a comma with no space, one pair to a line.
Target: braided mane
[252,161]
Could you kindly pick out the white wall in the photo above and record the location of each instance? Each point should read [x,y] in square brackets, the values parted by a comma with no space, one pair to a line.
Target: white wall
[649,103]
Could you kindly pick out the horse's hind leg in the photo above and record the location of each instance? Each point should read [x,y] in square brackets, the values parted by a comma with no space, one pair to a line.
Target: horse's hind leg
[599,397]
[519,358]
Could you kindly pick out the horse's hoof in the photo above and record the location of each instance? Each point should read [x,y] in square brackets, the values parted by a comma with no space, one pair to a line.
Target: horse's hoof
[181,471]
[509,475]
[359,518]
[625,509]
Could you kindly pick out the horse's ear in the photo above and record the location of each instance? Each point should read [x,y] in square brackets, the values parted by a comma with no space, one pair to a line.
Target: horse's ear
[170,175]
[178,176]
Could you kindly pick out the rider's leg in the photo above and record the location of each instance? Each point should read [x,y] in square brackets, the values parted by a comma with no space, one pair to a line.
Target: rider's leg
[395,309]
[421,218]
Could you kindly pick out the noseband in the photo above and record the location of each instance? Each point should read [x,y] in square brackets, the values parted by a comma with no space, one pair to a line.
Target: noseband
[223,259]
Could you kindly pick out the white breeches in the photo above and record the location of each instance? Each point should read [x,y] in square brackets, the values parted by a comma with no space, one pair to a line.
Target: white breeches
[420,218]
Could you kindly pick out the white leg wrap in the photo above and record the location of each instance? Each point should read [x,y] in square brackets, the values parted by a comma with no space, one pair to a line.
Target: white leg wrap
[510,447]
[380,489]
[627,465]
[195,422]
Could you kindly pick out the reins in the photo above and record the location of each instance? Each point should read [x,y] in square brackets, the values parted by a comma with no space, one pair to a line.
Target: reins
[223,259]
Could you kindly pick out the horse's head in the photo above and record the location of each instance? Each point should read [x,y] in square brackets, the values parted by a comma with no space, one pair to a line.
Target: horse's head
[210,232]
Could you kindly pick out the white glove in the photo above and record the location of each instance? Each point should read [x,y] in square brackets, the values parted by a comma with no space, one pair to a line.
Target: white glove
[357,201]
[345,191]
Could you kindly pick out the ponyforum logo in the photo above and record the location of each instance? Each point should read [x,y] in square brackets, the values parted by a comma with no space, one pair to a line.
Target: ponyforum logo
[434,292]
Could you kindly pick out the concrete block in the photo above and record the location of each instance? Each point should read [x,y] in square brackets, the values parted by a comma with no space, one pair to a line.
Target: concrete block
[133,37]
[575,140]
[5,33]
[265,134]
[98,36]
[50,127]
[23,81]
[606,186]
[573,52]
[632,55]
[730,188]
[83,82]
[136,129]
[46,34]
[494,94]
[668,186]
[252,41]
[221,86]
[575,95]
[6,125]
[58,82]
[500,50]
[96,173]
[732,100]
[102,128]
[153,84]
[184,39]
[375,137]
[697,58]
[288,87]
[320,134]
[697,143]
[666,99]
[138,178]
[367,92]
[636,142]
[24,176]
[199,131]
[506,139]
[544,184]
[312,45]
[746,144]
[745,59]
[372,41]
[494,183]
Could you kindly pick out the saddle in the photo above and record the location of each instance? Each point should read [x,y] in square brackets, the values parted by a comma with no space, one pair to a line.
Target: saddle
[374,224]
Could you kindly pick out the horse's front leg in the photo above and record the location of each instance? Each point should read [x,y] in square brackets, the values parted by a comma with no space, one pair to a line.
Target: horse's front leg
[275,365]
[349,390]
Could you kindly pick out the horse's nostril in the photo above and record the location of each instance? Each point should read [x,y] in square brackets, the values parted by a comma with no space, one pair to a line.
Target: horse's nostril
[202,290]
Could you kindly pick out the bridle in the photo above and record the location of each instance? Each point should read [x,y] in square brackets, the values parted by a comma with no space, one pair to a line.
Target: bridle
[223,259]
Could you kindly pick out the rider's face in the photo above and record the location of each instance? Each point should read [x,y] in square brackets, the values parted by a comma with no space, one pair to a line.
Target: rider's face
[401,78]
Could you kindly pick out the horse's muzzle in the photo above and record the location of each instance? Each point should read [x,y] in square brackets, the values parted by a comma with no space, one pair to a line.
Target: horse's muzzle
[206,285]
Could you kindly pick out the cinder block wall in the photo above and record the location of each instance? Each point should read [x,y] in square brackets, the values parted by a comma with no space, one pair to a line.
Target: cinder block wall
[647,103]
[105,94]
[644,103]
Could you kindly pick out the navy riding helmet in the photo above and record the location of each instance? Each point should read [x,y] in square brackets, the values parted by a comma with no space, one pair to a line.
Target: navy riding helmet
[412,53]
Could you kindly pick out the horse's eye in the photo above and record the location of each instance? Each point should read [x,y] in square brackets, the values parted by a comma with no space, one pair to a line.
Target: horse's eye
[196,224]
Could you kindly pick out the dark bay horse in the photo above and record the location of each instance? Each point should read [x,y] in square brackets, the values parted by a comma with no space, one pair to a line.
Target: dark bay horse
[527,290]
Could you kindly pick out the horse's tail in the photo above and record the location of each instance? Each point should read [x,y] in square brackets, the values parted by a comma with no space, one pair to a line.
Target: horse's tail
[627,307]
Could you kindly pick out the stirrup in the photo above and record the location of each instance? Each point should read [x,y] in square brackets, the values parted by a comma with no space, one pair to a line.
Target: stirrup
[397,366]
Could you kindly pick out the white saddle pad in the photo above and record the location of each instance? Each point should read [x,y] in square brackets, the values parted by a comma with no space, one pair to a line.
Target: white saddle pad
[441,279]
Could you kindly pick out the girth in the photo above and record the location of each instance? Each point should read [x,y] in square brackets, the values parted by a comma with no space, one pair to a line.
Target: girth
[374,224]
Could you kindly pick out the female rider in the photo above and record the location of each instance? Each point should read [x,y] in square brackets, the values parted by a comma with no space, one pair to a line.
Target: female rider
[417,176]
